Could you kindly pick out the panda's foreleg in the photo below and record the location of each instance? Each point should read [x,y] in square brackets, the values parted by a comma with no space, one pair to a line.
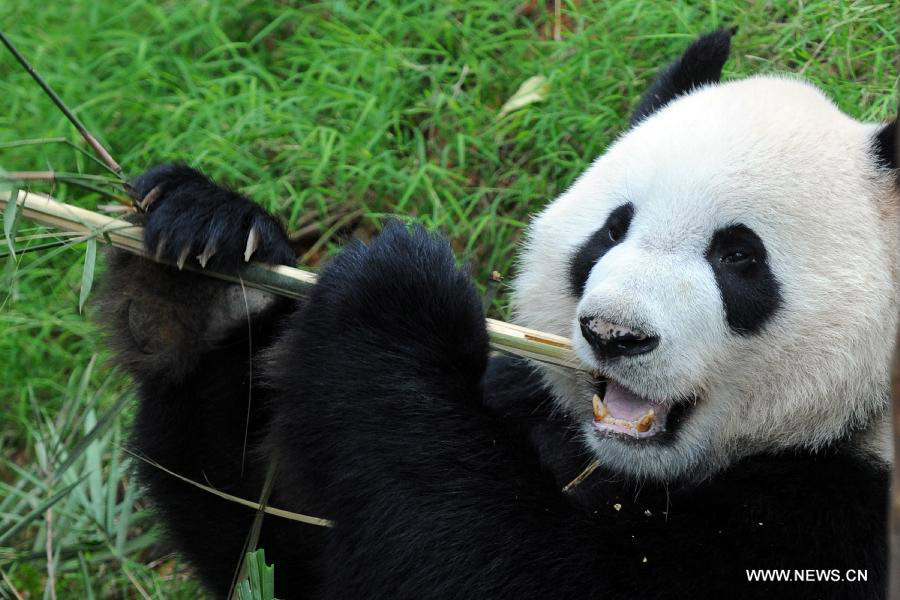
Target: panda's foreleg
[191,344]
[163,318]
[378,386]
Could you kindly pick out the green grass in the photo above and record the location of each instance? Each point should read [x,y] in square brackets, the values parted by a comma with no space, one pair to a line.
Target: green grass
[391,107]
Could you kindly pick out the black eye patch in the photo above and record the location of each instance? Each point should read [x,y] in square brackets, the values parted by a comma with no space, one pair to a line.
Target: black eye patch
[601,241]
[750,292]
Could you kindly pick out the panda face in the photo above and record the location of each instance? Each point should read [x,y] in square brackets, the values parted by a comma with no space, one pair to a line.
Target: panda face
[728,268]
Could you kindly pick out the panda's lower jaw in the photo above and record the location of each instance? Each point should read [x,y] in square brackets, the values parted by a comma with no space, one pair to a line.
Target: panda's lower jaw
[619,411]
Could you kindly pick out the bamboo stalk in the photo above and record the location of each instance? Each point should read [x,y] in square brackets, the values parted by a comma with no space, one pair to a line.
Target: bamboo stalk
[277,279]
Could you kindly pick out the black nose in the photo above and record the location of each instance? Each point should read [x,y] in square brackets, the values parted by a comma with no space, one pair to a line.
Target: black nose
[611,340]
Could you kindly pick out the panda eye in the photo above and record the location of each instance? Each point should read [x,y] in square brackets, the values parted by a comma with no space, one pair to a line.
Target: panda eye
[615,234]
[739,258]
[605,237]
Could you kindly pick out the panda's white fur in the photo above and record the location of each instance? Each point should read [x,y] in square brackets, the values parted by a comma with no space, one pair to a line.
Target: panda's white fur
[775,154]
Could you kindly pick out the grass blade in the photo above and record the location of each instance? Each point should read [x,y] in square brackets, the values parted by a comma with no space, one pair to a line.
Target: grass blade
[85,576]
[38,511]
[104,423]
[9,221]
[260,581]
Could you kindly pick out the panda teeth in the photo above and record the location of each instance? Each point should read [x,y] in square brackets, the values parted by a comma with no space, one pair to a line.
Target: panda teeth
[645,422]
[600,411]
[601,414]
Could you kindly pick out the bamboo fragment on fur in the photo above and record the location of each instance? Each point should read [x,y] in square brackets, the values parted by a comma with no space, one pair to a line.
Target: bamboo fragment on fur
[277,279]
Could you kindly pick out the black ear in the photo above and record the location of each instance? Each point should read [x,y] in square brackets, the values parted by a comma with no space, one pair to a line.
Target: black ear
[885,147]
[701,63]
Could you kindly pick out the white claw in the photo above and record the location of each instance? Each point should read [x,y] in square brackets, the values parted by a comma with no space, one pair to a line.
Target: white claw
[145,202]
[183,257]
[208,251]
[252,244]
[160,248]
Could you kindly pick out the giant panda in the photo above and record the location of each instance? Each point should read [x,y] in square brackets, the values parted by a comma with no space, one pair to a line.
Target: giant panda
[728,272]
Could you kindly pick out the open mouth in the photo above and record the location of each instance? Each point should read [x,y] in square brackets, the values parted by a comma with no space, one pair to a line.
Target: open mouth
[620,411]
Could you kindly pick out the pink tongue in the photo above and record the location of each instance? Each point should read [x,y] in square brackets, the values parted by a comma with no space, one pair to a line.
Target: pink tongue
[622,403]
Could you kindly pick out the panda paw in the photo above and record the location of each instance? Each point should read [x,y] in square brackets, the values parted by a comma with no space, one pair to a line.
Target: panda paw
[189,219]
[402,296]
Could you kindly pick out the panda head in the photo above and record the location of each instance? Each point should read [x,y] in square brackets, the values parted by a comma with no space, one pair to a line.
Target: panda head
[729,267]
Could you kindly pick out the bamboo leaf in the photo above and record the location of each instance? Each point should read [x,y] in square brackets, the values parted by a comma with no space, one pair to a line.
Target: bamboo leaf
[87,276]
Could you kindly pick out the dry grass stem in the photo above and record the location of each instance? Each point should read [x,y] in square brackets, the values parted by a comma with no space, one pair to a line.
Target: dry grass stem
[581,477]
[278,512]
[90,139]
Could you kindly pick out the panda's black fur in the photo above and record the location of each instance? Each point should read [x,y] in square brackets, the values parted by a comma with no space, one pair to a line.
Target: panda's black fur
[440,465]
